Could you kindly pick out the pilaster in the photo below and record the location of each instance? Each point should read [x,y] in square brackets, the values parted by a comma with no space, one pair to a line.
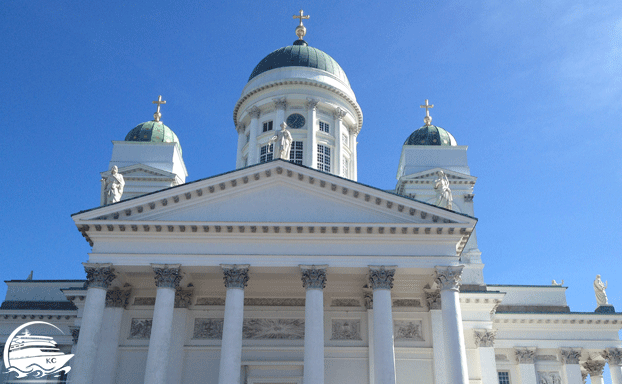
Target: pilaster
[241,128]
[572,369]
[339,114]
[526,358]
[280,104]
[253,151]
[312,128]
[484,341]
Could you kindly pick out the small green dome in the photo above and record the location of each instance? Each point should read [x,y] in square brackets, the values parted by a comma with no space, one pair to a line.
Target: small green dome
[431,135]
[154,132]
[300,55]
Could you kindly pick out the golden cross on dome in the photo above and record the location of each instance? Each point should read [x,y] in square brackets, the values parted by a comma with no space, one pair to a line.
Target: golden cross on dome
[158,115]
[301,17]
[427,119]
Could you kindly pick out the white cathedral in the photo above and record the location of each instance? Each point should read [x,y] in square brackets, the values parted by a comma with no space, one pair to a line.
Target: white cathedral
[287,270]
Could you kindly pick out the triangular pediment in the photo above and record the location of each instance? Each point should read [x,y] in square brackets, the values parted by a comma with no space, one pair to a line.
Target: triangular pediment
[430,176]
[275,192]
[142,171]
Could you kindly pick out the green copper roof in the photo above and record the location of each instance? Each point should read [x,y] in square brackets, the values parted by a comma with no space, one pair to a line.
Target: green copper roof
[299,55]
[431,135]
[154,132]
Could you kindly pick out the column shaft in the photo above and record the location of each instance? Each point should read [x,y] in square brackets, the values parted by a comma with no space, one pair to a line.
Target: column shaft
[597,379]
[314,337]
[616,373]
[253,157]
[177,346]
[573,373]
[231,350]
[107,353]
[353,160]
[338,144]
[438,342]
[370,335]
[527,374]
[83,368]
[384,353]
[311,150]
[160,340]
[241,142]
[488,365]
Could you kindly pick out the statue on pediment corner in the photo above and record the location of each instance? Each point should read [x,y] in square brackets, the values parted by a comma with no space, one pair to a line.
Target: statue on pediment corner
[113,188]
[599,291]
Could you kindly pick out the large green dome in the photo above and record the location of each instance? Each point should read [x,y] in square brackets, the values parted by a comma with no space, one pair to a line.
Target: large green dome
[154,132]
[431,135]
[300,55]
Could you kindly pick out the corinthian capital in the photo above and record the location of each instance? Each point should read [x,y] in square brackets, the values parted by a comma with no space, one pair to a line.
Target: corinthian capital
[280,103]
[570,356]
[381,277]
[594,367]
[235,276]
[313,276]
[485,338]
[525,355]
[449,277]
[241,128]
[613,356]
[98,275]
[312,103]
[167,275]
[339,113]
[254,112]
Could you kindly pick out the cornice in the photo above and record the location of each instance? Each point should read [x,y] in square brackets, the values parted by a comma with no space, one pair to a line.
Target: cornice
[313,83]
[578,319]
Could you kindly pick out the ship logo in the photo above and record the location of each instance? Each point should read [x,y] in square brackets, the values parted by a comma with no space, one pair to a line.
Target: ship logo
[34,356]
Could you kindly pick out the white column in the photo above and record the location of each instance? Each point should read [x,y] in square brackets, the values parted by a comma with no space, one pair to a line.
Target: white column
[572,369]
[484,340]
[108,350]
[178,340]
[448,280]
[438,342]
[167,278]
[526,358]
[369,304]
[381,281]
[314,281]
[614,358]
[354,159]
[236,278]
[99,277]
[339,114]
[253,151]
[312,126]
[595,369]
[241,141]
[280,105]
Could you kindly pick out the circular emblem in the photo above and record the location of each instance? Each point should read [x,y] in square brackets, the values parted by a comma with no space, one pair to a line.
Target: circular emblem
[296,120]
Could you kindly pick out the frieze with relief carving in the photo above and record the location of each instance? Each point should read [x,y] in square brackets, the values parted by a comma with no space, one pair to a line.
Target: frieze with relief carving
[210,329]
[346,329]
[549,378]
[407,330]
[140,329]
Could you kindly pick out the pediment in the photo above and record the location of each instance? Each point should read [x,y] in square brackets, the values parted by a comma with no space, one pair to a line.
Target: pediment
[141,171]
[273,197]
[429,176]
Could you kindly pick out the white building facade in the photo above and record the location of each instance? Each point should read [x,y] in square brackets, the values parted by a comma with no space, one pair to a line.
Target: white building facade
[292,272]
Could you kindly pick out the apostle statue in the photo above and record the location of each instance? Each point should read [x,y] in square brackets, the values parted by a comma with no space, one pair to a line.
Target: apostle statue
[283,141]
[113,188]
[441,185]
[599,290]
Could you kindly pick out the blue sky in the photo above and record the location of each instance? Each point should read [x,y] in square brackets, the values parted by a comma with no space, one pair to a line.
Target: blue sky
[533,88]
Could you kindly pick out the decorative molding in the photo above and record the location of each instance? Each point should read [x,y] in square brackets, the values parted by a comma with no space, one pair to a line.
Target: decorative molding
[594,367]
[183,298]
[380,277]
[144,301]
[280,103]
[235,276]
[433,299]
[210,301]
[254,112]
[407,330]
[570,356]
[141,329]
[117,298]
[407,303]
[167,275]
[339,113]
[273,329]
[268,302]
[208,329]
[449,277]
[75,333]
[345,303]
[549,378]
[613,356]
[525,355]
[313,277]
[484,338]
[468,198]
[98,275]
[346,329]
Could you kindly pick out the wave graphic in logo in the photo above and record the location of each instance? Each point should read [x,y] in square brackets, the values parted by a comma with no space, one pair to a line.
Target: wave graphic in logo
[34,356]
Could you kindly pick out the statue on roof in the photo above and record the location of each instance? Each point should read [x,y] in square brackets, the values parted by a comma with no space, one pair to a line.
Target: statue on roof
[599,290]
[283,141]
[441,185]
[113,186]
